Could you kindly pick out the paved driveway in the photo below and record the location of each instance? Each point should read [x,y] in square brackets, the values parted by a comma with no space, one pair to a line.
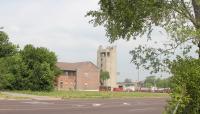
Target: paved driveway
[100,106]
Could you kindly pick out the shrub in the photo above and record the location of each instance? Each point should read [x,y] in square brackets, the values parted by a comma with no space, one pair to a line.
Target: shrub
[185,97]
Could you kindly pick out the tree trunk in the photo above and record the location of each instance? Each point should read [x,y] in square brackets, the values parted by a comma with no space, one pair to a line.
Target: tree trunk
[199,49]
[196,7]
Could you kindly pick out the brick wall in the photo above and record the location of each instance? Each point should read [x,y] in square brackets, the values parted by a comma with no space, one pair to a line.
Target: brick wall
[65,82]
[88,77]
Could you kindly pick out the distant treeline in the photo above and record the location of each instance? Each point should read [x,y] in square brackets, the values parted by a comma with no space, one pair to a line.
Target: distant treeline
[152,81]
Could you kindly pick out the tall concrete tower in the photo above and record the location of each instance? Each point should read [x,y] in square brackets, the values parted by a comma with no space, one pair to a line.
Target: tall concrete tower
[107,61]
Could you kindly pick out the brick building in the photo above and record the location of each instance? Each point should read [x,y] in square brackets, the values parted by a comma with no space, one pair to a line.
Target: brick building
[78,76]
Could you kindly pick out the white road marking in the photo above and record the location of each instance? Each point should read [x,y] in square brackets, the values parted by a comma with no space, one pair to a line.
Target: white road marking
[126,103]
[141,109]
[79,105]
[96,105]
[36,102]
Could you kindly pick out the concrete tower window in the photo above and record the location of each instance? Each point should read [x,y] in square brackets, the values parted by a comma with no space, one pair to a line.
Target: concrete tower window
[108,54]
[103,54]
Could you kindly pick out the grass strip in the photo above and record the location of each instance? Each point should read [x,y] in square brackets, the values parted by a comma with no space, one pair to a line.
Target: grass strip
[4,96]
[94,94]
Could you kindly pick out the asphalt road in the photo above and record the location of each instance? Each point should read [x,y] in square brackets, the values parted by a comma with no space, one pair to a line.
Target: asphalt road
[105,106]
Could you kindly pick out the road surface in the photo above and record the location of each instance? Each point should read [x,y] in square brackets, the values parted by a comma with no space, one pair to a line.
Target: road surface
[100,106]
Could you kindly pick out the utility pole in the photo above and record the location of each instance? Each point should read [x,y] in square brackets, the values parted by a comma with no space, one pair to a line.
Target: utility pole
[138,75]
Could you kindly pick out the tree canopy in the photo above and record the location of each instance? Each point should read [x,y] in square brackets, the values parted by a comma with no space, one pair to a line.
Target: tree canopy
[186,86]
[131,19]
[6,47]
[32,68]
[151,81]
[127,80]
[104,75]
[40,64]
[128,19]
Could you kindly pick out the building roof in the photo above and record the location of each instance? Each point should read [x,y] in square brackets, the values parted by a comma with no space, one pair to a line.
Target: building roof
[73,66]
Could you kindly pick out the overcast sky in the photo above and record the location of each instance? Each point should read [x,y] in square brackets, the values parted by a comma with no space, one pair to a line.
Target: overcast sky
[60,25]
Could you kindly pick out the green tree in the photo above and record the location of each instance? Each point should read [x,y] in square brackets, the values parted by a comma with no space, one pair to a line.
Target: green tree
[7,50]
[41,67]
[150,81]
[127,80]
[186,89]
[5,76]
[28,69]
[163,83]
[42,77]
[6,47]
[128,19]
[14,73]
[158,82]
[104,75]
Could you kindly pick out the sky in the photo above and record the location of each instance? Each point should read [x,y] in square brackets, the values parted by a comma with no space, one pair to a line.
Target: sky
[61,26]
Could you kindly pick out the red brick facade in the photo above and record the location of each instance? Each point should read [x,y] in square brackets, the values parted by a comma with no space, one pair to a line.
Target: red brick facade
[78,76]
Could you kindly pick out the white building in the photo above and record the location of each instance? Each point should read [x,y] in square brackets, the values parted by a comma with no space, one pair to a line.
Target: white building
[107,61]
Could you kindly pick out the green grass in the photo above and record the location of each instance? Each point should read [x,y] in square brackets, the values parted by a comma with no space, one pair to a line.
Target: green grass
[3,96]
[91,94]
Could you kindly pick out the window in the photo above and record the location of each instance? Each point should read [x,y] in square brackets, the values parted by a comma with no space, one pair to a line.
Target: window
[108,54]
[103,54]
[66,73]
[72,73]
[61,84]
